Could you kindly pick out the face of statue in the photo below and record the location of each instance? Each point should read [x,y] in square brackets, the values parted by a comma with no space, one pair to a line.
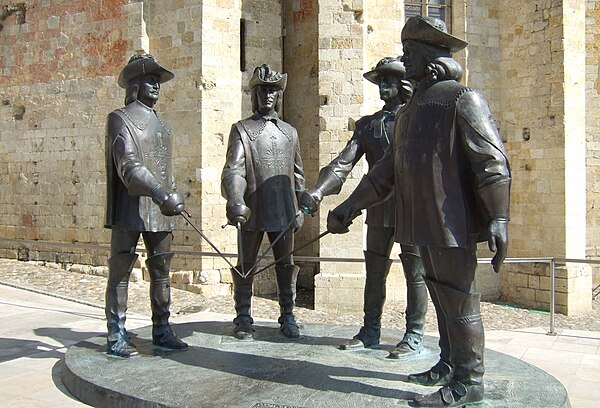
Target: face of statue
[389,87]
[266,96]
[414,61]
[149,90]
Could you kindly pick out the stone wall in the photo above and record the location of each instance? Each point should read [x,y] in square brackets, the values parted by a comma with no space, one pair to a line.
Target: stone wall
[57,85]
[341,64]
[541,119]
[592,123]
[301,109]
[59,60]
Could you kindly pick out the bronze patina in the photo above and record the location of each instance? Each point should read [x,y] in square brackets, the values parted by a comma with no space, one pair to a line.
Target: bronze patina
[141,200]
[262,175]
[370,139]
[450,174]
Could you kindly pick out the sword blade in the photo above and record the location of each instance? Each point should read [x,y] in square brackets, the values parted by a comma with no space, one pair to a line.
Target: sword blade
[240,249]
[264,254]
[189,221]
[321,235]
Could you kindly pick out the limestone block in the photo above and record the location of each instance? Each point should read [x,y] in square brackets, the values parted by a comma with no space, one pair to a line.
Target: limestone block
[136,275]
[182,277]
[210,290]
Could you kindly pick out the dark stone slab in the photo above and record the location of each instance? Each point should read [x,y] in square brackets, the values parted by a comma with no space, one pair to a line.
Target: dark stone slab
[273,372]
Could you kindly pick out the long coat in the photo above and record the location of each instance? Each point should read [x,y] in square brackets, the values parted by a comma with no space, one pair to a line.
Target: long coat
[447,167]
[138,160]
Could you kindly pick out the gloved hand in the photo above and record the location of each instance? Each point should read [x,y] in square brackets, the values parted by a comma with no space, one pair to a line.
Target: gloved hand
[341,217]
[238,213]
[498,241]
[169,202]
[309,201]
[174,205]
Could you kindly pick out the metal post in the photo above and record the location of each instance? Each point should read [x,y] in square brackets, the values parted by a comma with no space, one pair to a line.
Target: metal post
[552,296]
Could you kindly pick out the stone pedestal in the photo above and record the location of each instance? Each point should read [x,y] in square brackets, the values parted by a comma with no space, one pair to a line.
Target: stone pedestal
[271,371]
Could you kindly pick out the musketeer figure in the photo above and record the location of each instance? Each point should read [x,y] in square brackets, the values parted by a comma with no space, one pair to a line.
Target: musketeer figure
[260,181]
[450,174]
[141,198]
[371,138]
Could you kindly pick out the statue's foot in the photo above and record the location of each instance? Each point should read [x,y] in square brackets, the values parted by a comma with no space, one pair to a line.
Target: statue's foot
[243,328]
[455,394]
[361,341]
[410,345]
[439,374]
[244,334]
[358,344]
[168,339]
[121,348]
[289,328]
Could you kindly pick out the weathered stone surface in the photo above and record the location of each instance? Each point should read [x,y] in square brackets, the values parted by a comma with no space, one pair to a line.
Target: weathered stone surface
[274,372]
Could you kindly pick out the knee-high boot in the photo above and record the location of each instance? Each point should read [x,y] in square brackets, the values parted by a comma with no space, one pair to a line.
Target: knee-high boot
[440,373]
[287,276]
[466,338]
[160,300]
[242,297]
[378,268]
[119,270]
[416,306]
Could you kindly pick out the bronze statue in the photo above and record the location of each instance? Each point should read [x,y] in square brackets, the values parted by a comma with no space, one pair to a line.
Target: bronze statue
[141,197]
[371,138]
[451,177]
[260,180]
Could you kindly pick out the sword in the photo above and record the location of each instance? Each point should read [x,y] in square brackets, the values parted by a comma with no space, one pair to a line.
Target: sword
[321,235]
[264,254]
[186,216]
[240,249]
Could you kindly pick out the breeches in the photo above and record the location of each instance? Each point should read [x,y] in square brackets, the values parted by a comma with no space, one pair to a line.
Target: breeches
[125,241]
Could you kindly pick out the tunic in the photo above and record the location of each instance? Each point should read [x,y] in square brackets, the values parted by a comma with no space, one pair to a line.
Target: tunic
[138,160]
[263,170]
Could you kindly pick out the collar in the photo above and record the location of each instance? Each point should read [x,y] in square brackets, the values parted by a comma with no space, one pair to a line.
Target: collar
[273,116]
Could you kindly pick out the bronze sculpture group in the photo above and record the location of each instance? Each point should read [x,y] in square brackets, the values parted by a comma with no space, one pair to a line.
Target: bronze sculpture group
[438,183]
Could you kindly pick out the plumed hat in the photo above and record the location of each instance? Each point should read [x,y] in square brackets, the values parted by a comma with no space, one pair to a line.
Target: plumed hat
[431,31]
[264,75]
[387,66]
[143,64]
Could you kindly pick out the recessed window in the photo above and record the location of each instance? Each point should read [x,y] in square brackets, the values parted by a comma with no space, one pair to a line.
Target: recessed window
[433,8]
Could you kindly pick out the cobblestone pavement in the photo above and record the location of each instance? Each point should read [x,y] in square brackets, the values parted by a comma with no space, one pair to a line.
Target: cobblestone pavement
[89,289]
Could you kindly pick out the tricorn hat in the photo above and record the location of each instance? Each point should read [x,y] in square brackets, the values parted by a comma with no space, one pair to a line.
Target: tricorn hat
[431,31]
[143,64]
[264,75]
[387,66]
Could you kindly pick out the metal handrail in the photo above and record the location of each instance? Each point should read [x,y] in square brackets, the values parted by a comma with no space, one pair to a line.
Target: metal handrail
[552,261]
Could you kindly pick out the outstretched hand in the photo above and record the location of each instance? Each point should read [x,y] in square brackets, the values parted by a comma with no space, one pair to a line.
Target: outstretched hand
[498,242]
[335,224]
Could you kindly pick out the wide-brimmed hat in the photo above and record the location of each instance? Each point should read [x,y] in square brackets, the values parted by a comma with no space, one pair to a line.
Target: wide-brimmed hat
[431,31]
[143,64]
[387,66]
[264,75]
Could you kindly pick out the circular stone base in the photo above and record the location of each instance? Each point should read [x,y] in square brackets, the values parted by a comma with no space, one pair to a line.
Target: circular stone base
[272,371]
